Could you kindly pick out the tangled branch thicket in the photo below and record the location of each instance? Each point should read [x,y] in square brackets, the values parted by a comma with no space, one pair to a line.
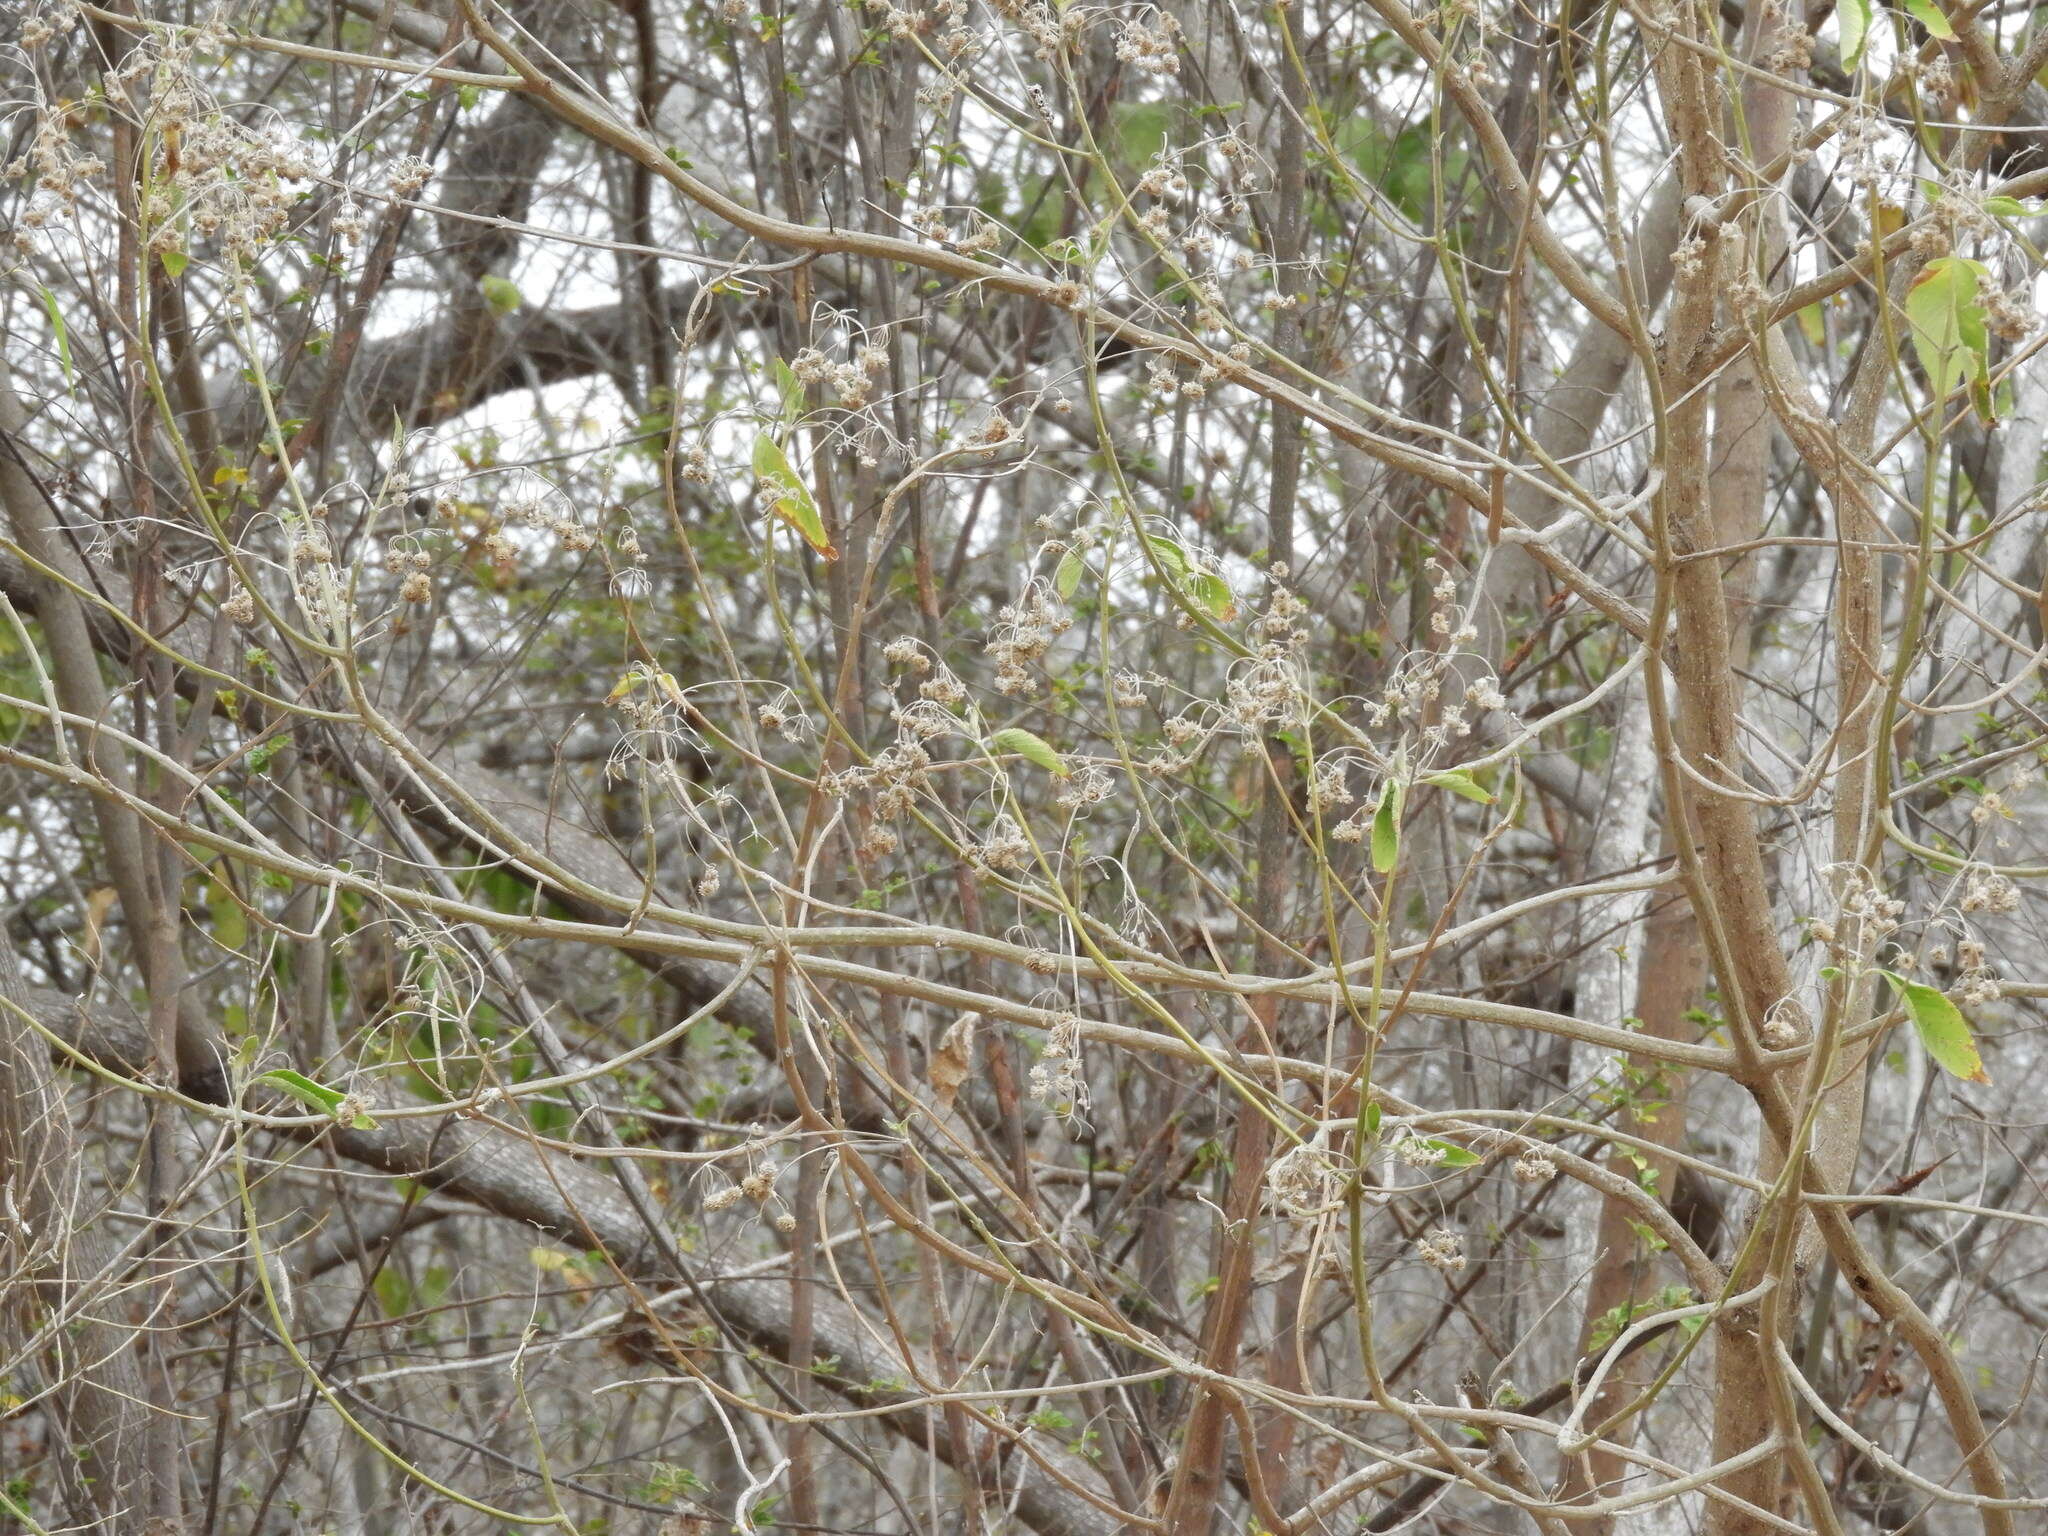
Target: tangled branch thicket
[991,766]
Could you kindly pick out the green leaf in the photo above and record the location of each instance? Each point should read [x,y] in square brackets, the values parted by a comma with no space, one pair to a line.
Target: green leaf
[792,392]
[1141,129]
[1855,19]
[1386,829]
[2006,208]
[175,261]
[1372,1119]
[1203,587]
[1213,593]
[1172,558]
[1942,1028]
[63,335]
[1461,783]
[1067,575]
[1454,1156]
[1032,749]
[1400,166]
[230,924]
[303,1088]
[1923,11]
[793,505]
[394,1291]
[314,1095]
[1948,327]
[502,294]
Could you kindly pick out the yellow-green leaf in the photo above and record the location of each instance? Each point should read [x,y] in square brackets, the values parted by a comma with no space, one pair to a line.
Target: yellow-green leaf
[1460,782]
[502,294]
[1942,1028]
[1854,16]
[63,336]
[1067,575]
[1213,593]
[1032,749]
[792,392]
[1937,25]
[230,925]
[793,503]
[1948,327]
[1386,829]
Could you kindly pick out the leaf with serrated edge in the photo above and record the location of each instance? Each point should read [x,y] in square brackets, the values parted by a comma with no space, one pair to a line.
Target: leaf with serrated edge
[1170,555]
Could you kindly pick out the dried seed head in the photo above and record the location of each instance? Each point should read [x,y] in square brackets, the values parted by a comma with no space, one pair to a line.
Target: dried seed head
[1442,1249]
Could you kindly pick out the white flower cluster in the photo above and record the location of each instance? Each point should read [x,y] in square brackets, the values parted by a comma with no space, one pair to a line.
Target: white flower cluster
[1418,1152]
[759,1187]
[1987,891]
[1024,632]
[1786,1024]
[1864,908]
[852,382]
[1004,849]
[226,182]
[1267,691]
[1304,1181]
[1150,45]
[1056,1080]
[1327,789]
[1441,1249]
